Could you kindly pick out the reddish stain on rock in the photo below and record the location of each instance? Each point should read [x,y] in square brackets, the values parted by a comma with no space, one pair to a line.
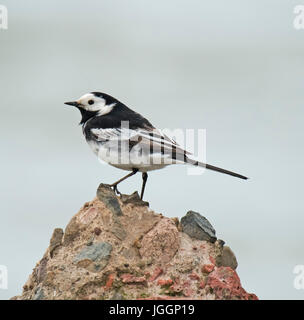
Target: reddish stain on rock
[194,276]
[188,292]
[186,283]
[184,288]
[226,285]
[177,286]
[88,215]
[129,278]
[202,284]
[156,273]
[212,260]
[207,268]
[110,281]
[163,282]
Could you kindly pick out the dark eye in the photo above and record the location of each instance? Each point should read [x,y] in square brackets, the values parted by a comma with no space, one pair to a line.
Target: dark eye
[91,102]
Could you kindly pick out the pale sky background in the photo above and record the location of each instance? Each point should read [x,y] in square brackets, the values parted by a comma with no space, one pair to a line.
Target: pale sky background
[233,68]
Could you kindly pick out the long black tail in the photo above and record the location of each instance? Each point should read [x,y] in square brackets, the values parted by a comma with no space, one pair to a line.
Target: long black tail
[210,167]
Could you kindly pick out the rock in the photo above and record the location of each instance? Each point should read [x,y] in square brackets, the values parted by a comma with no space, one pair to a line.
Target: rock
[110,281]
[133,199]
[194,276]
[117,248]
[117,296]
[39,295]
[119,231]
[97,231]
[197,227]
[156,273]
[99,253]
[129,278]
[71,231]
[106,195]
[88,215]
[40,271]
[227,259]
[130,253]
[226,285]
[207,268]
[186,265]
[165,282]
[29,285]
[56,240]
[161,243]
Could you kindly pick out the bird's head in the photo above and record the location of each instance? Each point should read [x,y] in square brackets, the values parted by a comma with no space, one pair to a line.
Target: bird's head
[93,104]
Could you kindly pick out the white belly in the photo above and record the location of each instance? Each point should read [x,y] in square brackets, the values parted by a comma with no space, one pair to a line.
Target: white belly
[128,160]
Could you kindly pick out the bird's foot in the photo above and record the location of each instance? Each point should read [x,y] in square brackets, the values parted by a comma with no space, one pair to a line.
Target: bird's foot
[115,189]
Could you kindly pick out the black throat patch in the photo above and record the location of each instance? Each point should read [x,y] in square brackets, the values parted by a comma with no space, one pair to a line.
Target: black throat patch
[86,115]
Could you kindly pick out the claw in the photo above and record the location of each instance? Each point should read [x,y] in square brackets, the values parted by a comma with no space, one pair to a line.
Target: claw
[115,189]
[114,185]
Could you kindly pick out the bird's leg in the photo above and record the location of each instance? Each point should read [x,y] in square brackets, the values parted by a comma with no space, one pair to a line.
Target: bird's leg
[145,178]
[114,185]
[115,189]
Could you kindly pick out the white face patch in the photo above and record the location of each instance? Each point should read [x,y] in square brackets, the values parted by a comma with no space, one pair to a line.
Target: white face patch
[90,102]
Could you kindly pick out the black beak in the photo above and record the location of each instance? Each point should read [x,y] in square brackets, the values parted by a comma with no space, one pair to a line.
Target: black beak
[72,103]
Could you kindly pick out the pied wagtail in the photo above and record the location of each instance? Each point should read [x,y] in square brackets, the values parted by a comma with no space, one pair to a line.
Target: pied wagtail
[137,146]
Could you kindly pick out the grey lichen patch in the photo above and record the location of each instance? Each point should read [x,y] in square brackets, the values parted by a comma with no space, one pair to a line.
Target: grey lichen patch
[94,257]
[198,227]
[106,195]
